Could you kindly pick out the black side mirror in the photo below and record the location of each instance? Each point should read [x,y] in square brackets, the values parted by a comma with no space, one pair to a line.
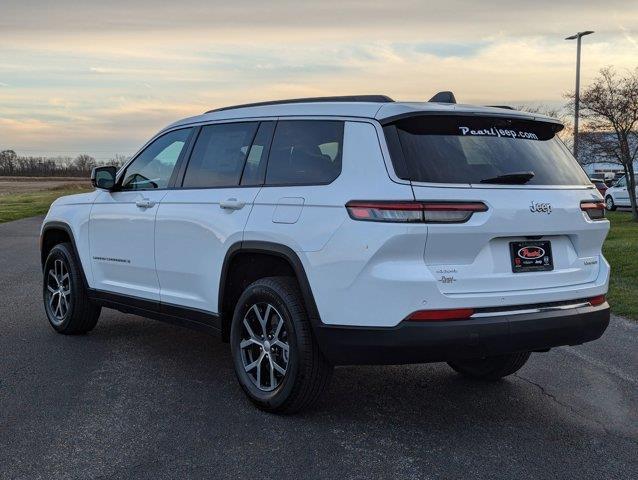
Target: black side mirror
[103,177]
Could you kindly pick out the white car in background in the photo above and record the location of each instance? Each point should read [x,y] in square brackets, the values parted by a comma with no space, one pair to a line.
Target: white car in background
[618,195]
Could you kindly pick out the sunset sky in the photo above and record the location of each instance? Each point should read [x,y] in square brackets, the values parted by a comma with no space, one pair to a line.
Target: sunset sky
[100,77]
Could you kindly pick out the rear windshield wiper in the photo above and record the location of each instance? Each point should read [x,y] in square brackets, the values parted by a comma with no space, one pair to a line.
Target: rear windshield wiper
[514,178]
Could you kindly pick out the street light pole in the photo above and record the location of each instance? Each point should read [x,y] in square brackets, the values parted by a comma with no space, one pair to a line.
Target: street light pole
[577,37]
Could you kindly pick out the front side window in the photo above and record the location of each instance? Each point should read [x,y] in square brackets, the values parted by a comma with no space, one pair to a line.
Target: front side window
[481,150]
[154,166]
[305,152]
[219,155]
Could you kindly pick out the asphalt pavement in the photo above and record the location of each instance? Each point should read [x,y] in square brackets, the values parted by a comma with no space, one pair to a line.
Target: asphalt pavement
[137,398]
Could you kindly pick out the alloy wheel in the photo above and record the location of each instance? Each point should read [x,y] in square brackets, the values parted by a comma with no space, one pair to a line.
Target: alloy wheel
[59,291]
[264,346]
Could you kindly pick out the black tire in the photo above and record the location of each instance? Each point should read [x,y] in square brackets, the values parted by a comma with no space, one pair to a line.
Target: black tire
[75,313]
[609,203]
[491,368]
[307,372]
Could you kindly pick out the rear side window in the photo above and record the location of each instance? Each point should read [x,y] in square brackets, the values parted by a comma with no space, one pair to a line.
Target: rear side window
[471,150]
[219,155]
[255,167]
[305,152]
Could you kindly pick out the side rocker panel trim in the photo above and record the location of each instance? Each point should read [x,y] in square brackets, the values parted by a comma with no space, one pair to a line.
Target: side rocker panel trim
[186,317]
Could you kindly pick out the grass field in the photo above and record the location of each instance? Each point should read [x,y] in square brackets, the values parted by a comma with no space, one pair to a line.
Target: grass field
[620,249]
[20,205]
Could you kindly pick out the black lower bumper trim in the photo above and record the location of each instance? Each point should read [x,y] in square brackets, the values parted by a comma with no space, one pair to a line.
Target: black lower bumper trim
[421,342]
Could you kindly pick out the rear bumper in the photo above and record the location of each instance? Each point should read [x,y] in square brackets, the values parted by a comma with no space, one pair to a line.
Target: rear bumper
[421,342]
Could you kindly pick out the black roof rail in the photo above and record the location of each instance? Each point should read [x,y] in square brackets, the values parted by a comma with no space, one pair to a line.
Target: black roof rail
[443,97]
[345,98]
[501,106]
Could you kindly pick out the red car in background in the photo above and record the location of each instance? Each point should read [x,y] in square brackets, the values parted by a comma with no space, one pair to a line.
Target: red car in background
[600,185]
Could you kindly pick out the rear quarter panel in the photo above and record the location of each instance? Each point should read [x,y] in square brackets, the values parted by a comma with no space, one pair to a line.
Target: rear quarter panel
[332,248]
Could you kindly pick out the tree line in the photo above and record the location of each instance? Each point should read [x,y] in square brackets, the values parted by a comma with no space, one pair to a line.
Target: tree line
[12,164]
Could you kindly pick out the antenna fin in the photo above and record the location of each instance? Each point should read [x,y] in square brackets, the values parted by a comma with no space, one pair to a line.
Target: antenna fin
[443,97]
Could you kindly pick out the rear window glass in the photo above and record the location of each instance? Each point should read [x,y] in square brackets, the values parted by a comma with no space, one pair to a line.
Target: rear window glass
[460,149]
[305,152]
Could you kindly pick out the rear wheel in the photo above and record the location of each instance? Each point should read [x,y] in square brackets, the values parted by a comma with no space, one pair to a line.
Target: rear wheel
[277,360]
[491,368]
[609,203]
[66,303]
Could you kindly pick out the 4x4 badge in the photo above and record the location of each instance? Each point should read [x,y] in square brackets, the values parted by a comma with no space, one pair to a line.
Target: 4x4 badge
[540,207]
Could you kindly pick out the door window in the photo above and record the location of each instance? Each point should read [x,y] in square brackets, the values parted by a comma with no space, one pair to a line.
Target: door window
[219,155]
[305,152]
[154,166]
[255,167]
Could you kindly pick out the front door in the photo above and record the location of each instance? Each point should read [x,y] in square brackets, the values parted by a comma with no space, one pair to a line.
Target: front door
[122,222]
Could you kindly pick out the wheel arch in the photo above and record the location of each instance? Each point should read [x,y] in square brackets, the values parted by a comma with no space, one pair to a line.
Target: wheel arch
[54,233]
[274,259]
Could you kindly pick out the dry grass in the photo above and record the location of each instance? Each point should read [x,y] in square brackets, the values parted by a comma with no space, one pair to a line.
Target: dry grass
[14,206]
[20,185]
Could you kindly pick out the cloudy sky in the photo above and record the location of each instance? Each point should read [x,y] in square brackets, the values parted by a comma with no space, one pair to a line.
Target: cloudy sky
[102,76]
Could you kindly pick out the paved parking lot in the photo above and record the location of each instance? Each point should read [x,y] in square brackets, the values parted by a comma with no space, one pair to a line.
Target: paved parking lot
[140,399]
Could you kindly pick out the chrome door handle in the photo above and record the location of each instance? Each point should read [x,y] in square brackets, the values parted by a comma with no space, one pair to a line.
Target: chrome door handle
[232,204]
[145,203]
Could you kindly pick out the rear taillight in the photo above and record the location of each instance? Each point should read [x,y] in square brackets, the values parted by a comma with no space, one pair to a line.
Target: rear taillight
[414,212]
[441,315]
[595,210]
[597,300]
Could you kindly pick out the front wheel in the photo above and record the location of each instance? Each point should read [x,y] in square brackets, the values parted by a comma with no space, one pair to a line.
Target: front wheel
[277,360]
[66,302]
[491,368]
[609,203]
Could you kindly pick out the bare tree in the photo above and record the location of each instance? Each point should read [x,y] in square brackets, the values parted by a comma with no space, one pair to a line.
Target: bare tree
[610,109]
[84,162]
[8,160]
[118,160]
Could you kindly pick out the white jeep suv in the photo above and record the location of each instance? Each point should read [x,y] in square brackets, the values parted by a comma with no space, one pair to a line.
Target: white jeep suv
[339,231]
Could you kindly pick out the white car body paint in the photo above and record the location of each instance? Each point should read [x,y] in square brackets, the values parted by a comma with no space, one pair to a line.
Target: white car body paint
[620,193]
[360,273]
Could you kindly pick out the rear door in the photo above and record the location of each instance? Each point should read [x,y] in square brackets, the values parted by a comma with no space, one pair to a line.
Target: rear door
[532,187]
[199,220]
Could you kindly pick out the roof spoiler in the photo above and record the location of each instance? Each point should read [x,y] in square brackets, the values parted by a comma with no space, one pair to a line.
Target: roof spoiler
[443,97]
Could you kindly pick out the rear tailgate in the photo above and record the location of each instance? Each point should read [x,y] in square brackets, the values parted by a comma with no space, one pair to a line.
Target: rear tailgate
[475,257]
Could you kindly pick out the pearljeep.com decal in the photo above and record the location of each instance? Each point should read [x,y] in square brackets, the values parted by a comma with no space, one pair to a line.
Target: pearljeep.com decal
[497,132]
